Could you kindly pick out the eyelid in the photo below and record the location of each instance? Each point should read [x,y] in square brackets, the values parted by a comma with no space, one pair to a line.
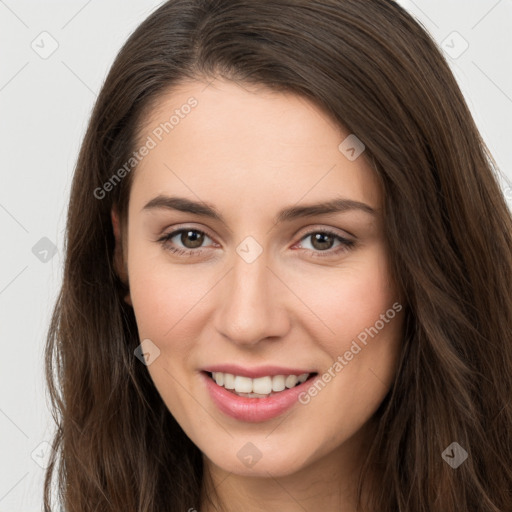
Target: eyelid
[345,242]
[185,227]
[323,228]
[301,233]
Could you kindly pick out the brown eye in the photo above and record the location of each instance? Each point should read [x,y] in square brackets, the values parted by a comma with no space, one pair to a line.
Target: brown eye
[184,241]
[192,239]
[322,241]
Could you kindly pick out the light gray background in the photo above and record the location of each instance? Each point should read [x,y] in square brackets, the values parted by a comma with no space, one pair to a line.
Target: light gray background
[45,105]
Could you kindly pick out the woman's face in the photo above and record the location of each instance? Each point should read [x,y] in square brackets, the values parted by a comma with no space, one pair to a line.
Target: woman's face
[268,286]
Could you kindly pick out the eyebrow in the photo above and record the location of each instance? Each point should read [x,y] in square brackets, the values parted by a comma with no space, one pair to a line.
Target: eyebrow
[183,204]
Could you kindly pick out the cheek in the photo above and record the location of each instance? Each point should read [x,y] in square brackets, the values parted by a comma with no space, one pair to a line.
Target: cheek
[359,306]
[351,300]
[166,302]
[153,299]
[163,294]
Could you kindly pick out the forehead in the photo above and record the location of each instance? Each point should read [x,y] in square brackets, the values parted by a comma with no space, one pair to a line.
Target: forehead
[220,138]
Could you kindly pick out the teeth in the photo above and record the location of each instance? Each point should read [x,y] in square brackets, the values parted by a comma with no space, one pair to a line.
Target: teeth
[278,383]
[260,387]
[291,380]
[229,381]
[243,384]
[219,378]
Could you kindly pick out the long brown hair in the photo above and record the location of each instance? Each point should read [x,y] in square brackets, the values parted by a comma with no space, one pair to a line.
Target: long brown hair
[380,75]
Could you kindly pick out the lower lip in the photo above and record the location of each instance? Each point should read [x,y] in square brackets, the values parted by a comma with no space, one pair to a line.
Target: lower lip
[254,409]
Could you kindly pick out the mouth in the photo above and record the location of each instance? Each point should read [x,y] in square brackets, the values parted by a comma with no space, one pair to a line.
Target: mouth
[258,398]
[260,387]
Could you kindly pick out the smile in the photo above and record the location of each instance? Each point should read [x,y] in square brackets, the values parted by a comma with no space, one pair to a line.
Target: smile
[261,387]
[255,399]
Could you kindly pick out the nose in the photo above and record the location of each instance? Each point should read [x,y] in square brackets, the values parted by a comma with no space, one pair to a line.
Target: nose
[252,303]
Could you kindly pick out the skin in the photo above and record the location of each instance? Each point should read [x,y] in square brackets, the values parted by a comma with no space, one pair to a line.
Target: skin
[251,152]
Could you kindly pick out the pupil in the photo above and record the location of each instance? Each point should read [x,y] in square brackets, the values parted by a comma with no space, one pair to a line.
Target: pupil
[197,239]
[320,240]
[317,238]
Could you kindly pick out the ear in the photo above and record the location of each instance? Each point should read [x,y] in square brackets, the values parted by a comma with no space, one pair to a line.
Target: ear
[119,262]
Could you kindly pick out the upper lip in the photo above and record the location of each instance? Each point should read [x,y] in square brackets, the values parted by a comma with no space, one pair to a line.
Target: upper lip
[255,372]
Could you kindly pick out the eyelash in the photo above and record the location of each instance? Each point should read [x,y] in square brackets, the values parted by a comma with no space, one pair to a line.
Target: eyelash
[345,243]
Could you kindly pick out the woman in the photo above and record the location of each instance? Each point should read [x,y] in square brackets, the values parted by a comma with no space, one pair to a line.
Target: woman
[287,279]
